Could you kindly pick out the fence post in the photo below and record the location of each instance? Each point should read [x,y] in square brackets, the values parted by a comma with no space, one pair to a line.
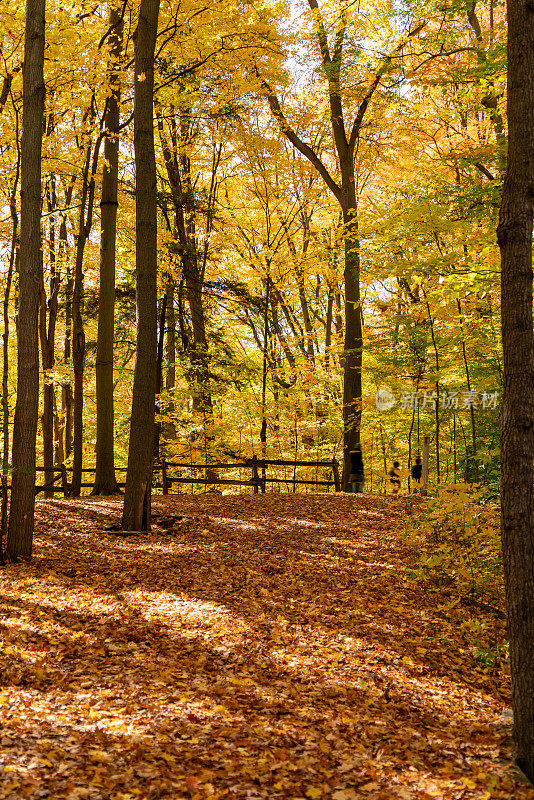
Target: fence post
[335,471]
[64,481]
[164,476]
[255,476]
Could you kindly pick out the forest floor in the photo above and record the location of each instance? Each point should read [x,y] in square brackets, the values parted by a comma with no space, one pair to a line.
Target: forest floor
[270,646]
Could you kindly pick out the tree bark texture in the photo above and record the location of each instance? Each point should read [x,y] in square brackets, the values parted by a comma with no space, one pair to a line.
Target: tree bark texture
[13,258]
[514,235]
[353,346]
[105,481]
[21,519]
[78,333]
[78,338]
[67,399]
[136,510]
[178,172]
[169,429]
[47,334]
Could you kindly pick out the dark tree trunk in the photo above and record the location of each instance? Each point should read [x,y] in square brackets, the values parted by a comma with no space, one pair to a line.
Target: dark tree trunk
[170,376]
[136,510]
[66,389]
[64,421]
[265,367]
[159,372]
[5,354]
[47,335]
[78,339]
[78,333]
[178,172]
[328,332]
[352,369]
[105,481]
[345,142]
[21,518]
[514,234]
[468,379]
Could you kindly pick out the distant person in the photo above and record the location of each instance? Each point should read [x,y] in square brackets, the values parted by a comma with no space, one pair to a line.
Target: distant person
[394,478]
[356,477]
[417,472]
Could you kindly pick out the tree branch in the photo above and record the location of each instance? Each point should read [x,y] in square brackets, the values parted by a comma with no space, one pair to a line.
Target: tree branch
[296,141]
[376,80]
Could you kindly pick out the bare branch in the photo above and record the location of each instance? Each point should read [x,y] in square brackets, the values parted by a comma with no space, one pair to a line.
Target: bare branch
[296,141]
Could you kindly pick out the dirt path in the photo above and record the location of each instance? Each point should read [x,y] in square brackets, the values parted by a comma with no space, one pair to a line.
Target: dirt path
[266,647]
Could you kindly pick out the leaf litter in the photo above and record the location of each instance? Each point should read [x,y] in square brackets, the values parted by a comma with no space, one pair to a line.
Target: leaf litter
[271,646]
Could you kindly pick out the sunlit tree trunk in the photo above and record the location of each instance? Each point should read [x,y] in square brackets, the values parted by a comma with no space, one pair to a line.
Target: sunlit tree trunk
[78,332]
[21,518]
[353,345]
[136,510]
[105,481]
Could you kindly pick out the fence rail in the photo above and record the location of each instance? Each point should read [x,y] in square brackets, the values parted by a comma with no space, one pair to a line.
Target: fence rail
[165,475]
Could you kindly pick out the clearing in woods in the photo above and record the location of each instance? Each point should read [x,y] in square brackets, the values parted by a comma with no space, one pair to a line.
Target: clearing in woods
[268,646]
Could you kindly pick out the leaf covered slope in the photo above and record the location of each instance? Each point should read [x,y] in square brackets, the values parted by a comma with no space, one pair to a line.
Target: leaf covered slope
[261,647]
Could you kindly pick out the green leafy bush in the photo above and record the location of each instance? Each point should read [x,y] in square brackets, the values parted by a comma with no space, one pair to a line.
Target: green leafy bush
[455,540]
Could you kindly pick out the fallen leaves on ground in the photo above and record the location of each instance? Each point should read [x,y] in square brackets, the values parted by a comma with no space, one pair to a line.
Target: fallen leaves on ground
[250,647]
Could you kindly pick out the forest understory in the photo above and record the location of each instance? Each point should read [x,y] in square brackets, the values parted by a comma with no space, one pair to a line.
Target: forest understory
[274,646]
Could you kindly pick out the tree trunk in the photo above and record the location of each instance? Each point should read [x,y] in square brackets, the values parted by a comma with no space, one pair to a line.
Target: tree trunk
[13,256]
[78,333]
[136,510]
[170,376]
[179,175]
[436,410]
[514,235]
[352,369]
[78,339]
[47,335]
[265,367]
[21,518]
[468,379]
[66,389]
[105,481]
[159,373]
[328,332]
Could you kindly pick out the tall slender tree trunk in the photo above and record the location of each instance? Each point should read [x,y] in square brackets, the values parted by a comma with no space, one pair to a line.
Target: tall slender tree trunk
[328,332]
[78,333]
[468,379]
[21,518]
[159,372]
[105,481]
[514,235]
[47,335]
[436,384]
[178,169]
[63,421]
[78,339]
[5,354]
[265,367]
[66,388]
[170,376]
[136,510]
[352,369]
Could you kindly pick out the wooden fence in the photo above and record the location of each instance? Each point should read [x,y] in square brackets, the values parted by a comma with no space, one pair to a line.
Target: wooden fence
[168,473]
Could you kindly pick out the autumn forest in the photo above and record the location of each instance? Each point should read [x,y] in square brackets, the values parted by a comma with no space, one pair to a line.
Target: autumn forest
[267,399]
